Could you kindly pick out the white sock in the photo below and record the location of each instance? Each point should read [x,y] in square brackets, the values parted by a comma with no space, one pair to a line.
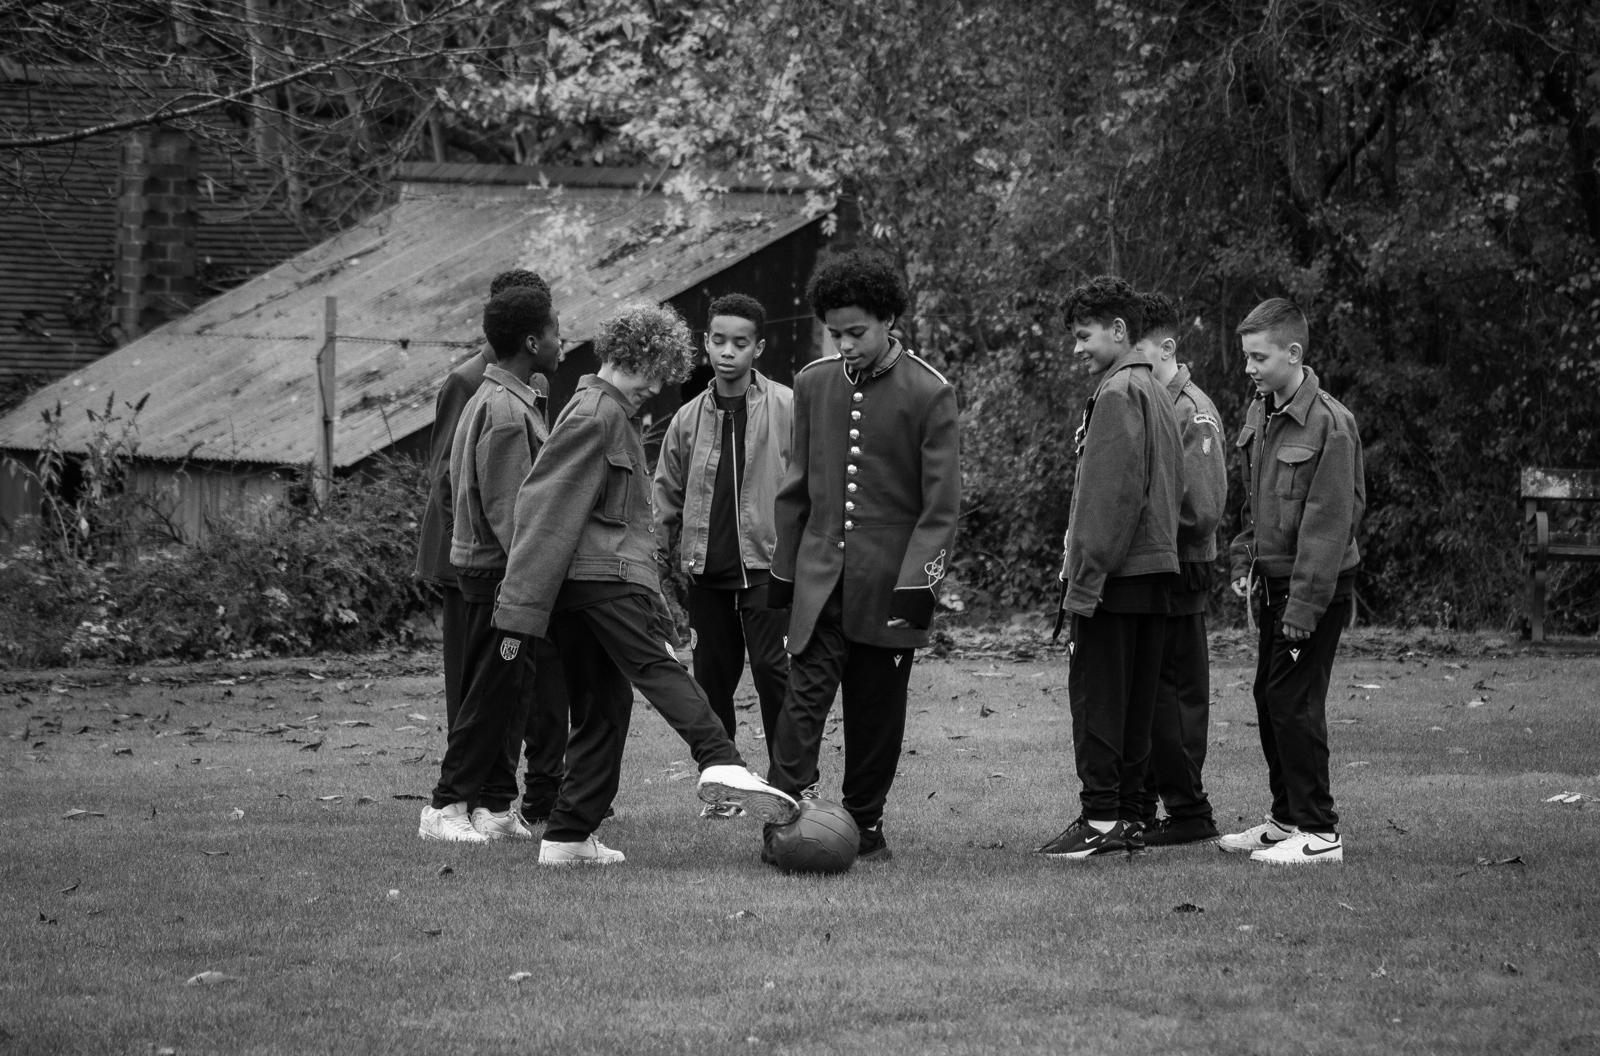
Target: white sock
[1101,826]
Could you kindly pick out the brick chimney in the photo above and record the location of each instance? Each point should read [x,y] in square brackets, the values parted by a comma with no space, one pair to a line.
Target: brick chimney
[155,229]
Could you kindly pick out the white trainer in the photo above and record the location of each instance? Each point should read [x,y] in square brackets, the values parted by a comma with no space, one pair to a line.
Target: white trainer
[729,784]
[449,823]
[1303,848]
[580,852]
[507,825]
[1268,834]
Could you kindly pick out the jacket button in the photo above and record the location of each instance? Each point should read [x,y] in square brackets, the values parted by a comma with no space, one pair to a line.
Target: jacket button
[855,416]
[849,507]
[841,544]
[849,526]
[851,469]
[856,397]
[855,434]
[855,452]
[851,487]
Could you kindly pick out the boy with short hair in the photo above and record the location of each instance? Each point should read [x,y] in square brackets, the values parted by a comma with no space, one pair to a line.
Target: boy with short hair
[495,445]
[1183,697]
[1305,492]
[721,459]
[1121,555]
[545,739]
[585,548]
[866,521]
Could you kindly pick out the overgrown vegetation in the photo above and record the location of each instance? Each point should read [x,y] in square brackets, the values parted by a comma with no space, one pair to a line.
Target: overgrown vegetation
[104,577]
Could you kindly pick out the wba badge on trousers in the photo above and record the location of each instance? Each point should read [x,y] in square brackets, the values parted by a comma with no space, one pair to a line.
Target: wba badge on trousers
[508,649]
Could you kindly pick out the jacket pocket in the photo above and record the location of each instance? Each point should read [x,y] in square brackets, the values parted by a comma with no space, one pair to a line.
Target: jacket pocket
[1294,469]
[619,488]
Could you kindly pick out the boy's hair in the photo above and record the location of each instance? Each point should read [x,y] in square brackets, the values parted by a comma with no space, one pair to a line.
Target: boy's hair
[647,340]
[742,305]
[1281,319]
[1104,298]
[1160,316]
[864,278]
[512,314]
[517,277]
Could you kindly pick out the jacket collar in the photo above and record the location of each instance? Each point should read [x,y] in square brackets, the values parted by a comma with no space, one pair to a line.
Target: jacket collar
[758,385]
[595,381]
[1300,406]
[517,387]
[890,358]
[1128,359]
[1179,380]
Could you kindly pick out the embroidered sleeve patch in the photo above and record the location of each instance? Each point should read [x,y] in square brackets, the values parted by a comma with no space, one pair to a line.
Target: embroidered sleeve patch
[1202,418]
[935,570]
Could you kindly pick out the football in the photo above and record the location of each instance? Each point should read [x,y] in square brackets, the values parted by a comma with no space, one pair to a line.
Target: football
[823,839]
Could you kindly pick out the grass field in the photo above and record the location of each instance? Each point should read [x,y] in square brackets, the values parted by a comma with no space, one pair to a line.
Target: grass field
[260,823]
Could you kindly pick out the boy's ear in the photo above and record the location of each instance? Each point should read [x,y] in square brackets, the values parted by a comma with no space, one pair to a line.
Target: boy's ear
[1295,351]
[1119,329]
[1169,347]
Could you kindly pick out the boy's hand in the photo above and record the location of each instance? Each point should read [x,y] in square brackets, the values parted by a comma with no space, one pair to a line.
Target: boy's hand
[1294,634]
[1241,586]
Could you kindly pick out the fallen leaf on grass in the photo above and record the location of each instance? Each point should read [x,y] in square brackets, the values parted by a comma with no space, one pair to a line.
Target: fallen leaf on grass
[517,977]
[419,717]
[743,914]
[122,751]
[408,729]
[1480,702]
[407,795]
[319,678]
[1379,972]
[1187,907]
[70,889]
[1357,764]
[210,979]
[362,801]
[1396,827]
[47,920]
[355,722]
[237,814]
[311,747]
[1365,685]
[1515,859]
[215,854]
[1568,797]
[433,933]
[1346,905]
[1510,968]
[328,799]
[78,812]
[446,870]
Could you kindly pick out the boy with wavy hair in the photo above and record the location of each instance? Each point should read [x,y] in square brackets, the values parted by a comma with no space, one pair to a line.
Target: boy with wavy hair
[585,547]
[1121,556]
[1305,491]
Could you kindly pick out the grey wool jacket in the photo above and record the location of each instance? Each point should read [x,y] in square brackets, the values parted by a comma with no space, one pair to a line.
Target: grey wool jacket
[497,440]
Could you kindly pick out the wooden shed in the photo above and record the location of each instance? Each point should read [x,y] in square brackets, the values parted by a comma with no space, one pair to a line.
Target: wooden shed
[233,411]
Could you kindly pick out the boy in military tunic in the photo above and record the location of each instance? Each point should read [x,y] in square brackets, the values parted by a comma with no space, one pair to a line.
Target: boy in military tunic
[866,520]
[1183,695]
[1305,493]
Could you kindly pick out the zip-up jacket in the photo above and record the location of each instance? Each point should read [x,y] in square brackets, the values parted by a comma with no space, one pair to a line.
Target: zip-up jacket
[871,498]
[686,473]
[1124,512]
[1305,494]
[496,442]
[1205,469]
[584,513]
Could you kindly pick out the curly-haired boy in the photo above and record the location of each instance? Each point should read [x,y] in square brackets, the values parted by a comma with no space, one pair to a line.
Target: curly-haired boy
[585,547]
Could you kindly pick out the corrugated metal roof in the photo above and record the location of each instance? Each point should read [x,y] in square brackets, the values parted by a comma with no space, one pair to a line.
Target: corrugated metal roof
[235,381]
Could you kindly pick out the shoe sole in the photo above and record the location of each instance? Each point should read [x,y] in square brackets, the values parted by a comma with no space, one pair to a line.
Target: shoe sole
[1093,852]
[447,839]
[586,863]
[771,807]
[1189,841]
[1328,858]
[1225,849]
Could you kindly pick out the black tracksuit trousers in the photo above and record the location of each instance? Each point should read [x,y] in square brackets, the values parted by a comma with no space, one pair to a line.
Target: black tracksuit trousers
[728,624]
[1111,684]
[1291,692]
[481,748]
[608,648]
[1181,724]
[874,682]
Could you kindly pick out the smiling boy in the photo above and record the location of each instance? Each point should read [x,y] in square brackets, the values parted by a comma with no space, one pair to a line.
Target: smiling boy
[1120,560]
[1305,492]
[721,460]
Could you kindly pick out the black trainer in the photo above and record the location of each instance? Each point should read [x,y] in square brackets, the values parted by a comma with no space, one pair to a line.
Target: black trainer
[1081,840]
[1134,832]
[873,847]
[1173,832]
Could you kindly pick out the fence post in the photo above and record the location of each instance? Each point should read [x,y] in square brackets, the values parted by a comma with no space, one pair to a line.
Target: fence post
[322,476]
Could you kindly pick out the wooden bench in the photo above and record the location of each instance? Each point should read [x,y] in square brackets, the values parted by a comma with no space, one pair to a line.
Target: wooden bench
[1543,488]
